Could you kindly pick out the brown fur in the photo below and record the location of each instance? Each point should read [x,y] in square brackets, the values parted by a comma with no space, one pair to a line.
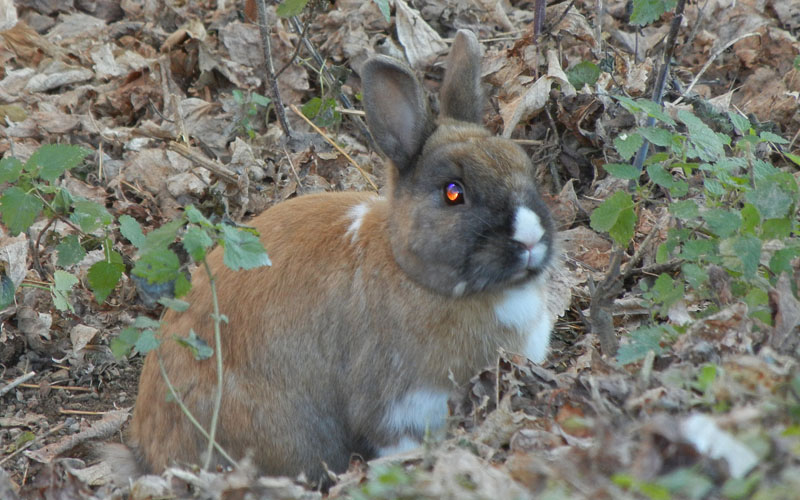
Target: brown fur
[322,346]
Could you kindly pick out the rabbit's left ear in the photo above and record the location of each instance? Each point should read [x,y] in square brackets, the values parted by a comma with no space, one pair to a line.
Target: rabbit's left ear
[461,97]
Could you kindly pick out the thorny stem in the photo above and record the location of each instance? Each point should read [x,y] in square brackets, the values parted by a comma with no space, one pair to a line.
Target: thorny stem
[272,82]
[218,348]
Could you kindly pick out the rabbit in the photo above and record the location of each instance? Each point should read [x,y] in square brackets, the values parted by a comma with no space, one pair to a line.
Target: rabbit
[350,343]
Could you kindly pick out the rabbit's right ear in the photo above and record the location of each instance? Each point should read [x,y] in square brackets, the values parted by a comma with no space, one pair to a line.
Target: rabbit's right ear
[396,107]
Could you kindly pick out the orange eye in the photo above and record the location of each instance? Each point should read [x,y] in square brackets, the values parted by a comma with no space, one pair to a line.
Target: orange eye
[454,194]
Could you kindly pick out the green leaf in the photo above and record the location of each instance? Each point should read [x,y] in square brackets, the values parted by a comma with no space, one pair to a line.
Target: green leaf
[19,209]
[174,304]
[583,73]
[157,266]
[741,123]
[694,275]
[260,100]
[61,288]
[627,145]
[694,250]
[781,261]
[62,202]
[289,8]
[104,275]
[622,171]
[722,222]
[63,280]
[90,215]
[182,285]
[646,11]
[131,230]
[146,342]
[666,290]
[615,215]
[794,158]
[195,216]
[686,483]
[622,231]
[383,5]
[750,219]
[198,347]
[707,144]
[651,108]
[7,291]
[748,250]
[10,169]
[243,250]
[196,241]
[660,176]
[685,209]
[658,136]
[776,229]
[158,240]
[774,138]
[641,341]
[322,111]
[51,160]
[145,323]
[770,198]
[713,187]
[70,251]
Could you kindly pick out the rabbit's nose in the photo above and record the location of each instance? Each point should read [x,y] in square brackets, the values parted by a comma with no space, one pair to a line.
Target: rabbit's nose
[528,232]
[528,228]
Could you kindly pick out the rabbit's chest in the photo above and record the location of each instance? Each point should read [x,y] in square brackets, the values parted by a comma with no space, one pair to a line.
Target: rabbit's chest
[524,310]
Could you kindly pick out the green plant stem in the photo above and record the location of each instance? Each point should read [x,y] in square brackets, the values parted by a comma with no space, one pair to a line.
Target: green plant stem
[188,413]
[218,348]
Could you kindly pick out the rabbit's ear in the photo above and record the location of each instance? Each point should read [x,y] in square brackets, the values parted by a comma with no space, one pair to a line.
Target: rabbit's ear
[461,96]
[396,107]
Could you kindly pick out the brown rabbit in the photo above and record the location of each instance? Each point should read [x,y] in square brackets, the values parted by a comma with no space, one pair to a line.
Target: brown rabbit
[373,305]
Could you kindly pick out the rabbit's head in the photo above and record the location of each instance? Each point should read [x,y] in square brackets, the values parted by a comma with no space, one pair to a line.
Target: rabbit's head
[466,215]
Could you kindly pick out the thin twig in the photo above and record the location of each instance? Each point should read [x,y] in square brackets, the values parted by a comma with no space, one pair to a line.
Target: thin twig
[30,443]
[294,170]
[272,83]
[189,153]
[708,63]
[332,143]
[302,37]
[81,412]
[60,387]
[17,381]
[331,82]
[658,91]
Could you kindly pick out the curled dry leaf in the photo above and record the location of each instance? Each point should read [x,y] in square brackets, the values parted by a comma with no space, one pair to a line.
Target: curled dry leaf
[420,41]
[533,100]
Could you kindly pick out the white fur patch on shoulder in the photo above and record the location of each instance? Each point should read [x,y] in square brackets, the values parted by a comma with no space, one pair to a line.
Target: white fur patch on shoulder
[405,444]
[416,412]
[356,216]
[524,310]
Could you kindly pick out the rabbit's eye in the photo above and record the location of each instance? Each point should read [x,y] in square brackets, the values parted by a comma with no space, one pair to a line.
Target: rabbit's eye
[454,194]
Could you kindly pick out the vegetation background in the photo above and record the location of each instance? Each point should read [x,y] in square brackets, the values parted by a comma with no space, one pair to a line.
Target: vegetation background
[674,368]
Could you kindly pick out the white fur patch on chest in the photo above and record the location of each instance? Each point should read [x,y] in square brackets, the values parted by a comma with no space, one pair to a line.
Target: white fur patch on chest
[524,310]
[416,412]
